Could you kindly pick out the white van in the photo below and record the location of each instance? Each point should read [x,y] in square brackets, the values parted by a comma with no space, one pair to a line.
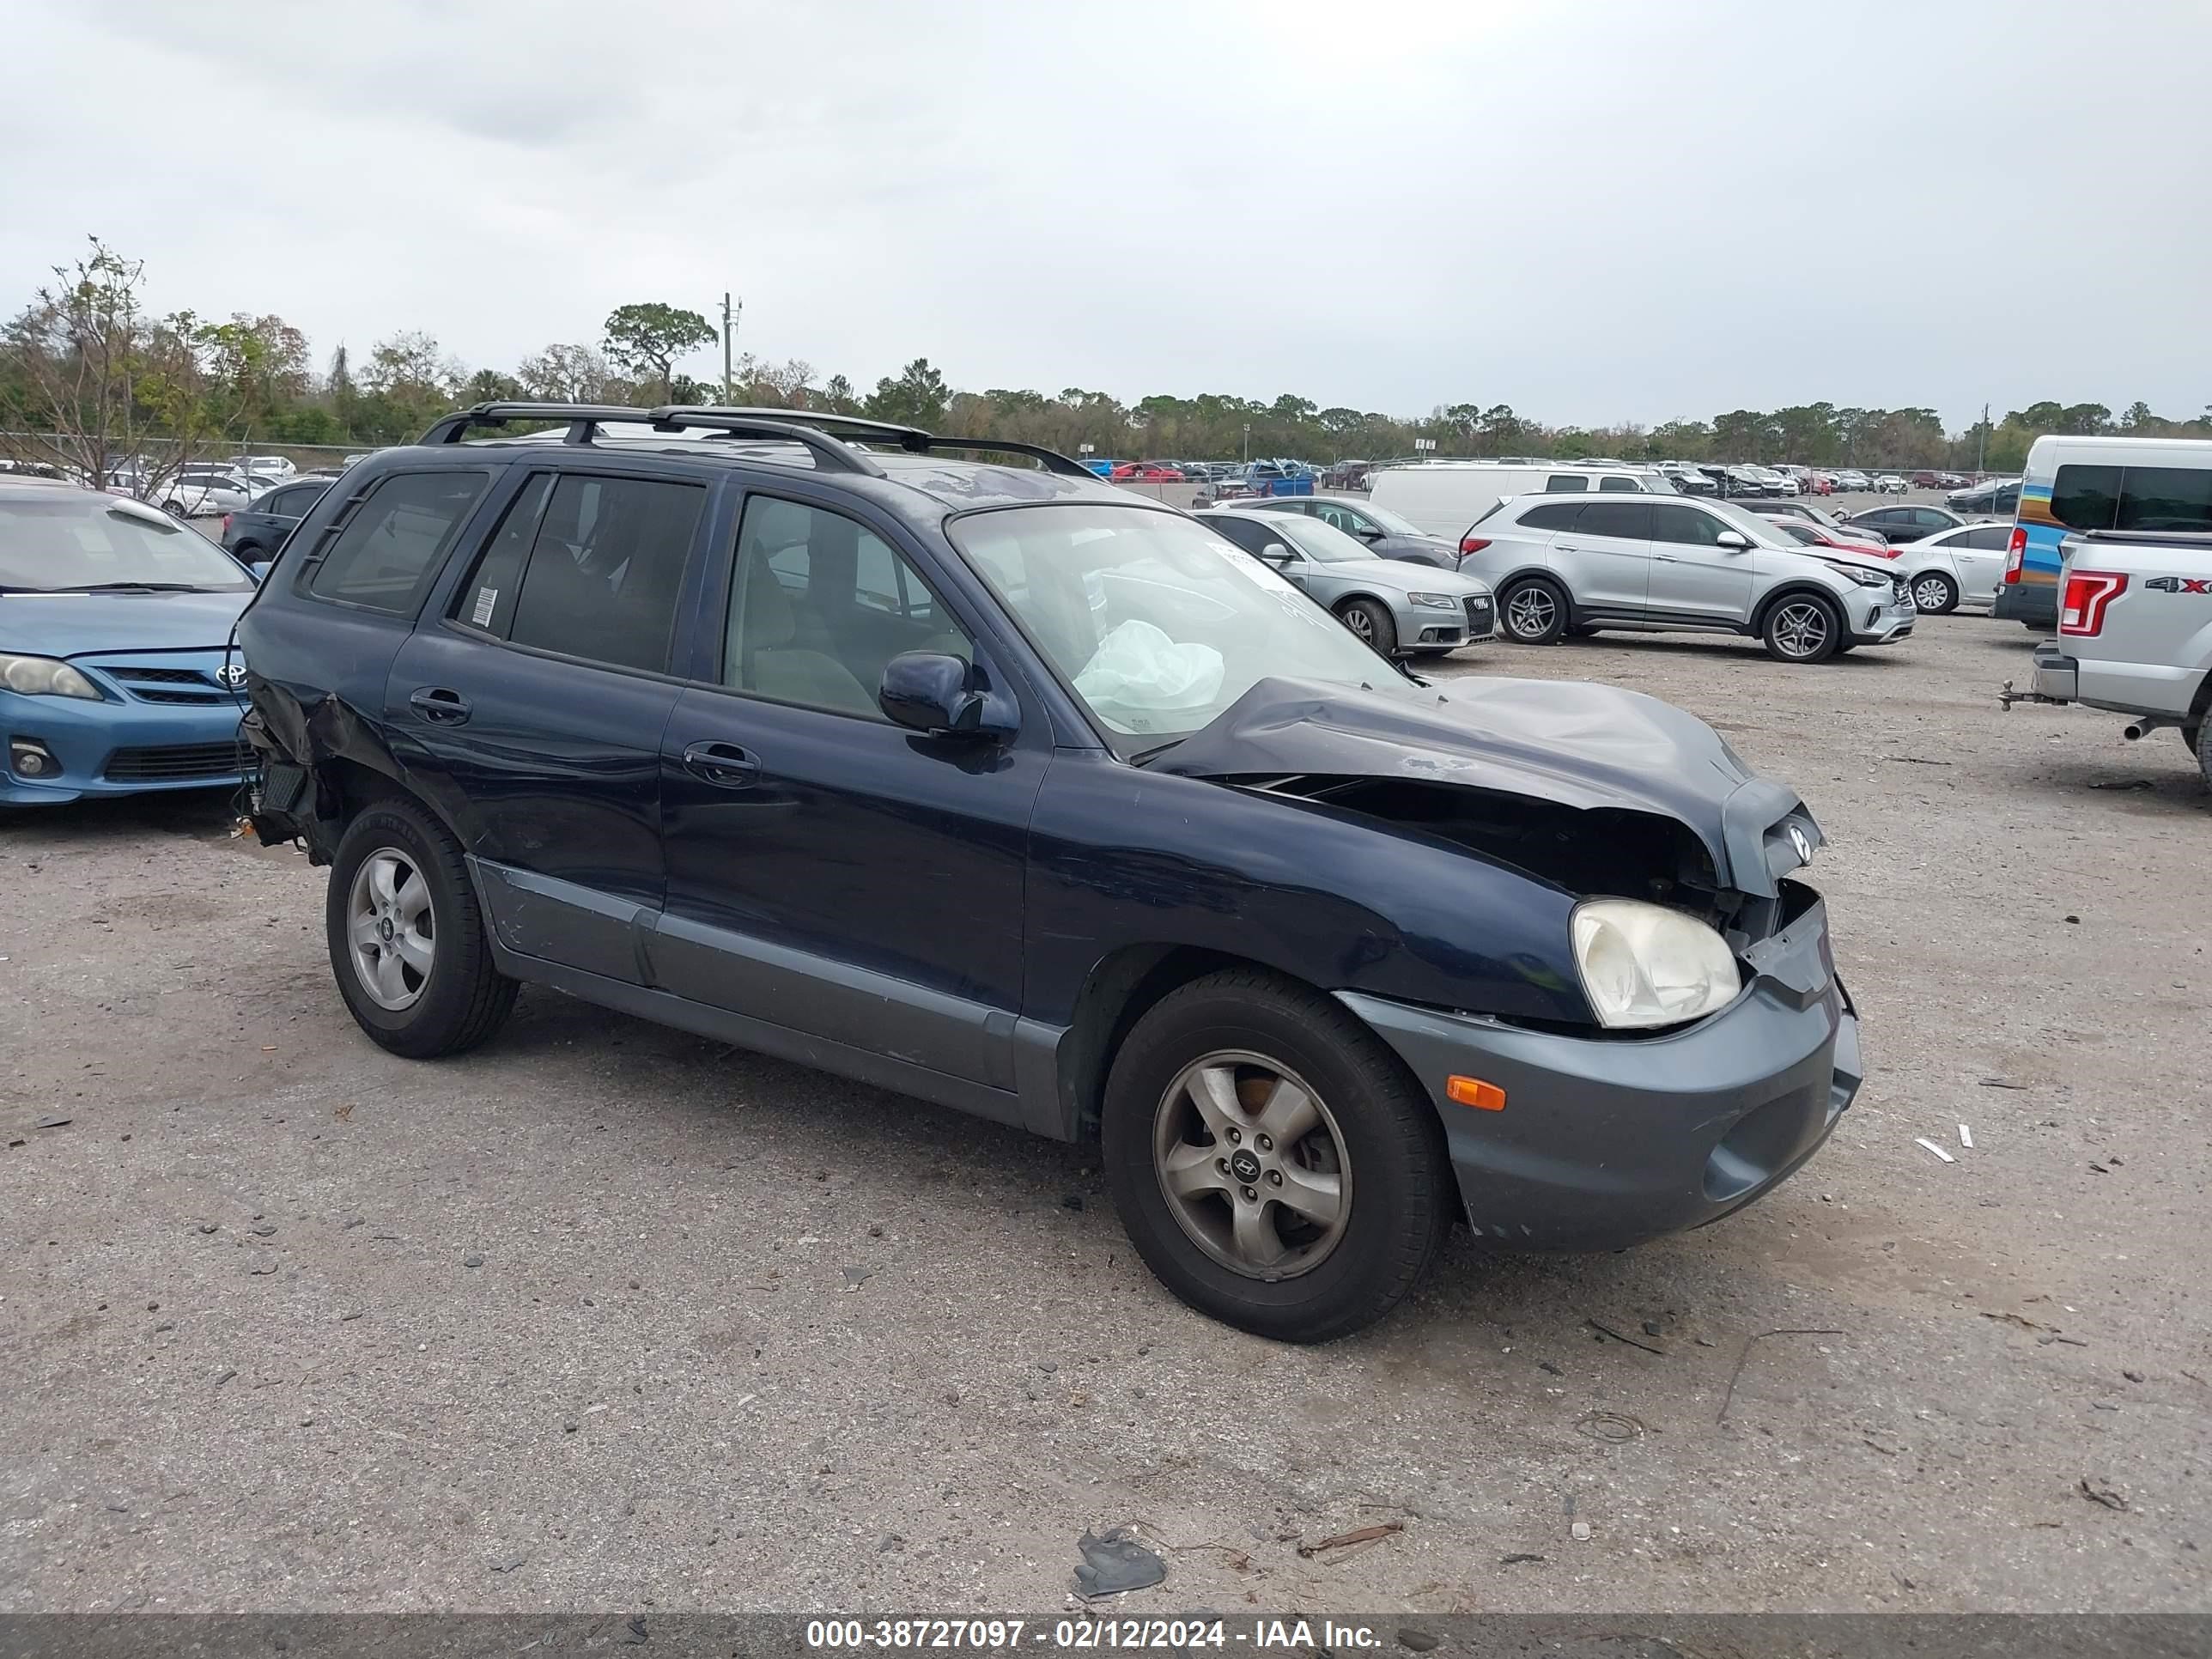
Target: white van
[1446,497]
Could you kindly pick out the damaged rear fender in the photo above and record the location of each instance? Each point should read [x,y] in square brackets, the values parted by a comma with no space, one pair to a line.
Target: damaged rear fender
[320,761]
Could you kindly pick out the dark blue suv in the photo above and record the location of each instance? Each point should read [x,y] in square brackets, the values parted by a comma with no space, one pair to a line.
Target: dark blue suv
[984,780]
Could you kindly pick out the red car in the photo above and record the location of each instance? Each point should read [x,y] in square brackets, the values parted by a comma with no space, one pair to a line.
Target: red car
[1145,472]
[1818,535]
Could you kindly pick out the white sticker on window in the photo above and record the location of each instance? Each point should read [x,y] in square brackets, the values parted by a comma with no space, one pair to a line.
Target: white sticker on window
[486,599]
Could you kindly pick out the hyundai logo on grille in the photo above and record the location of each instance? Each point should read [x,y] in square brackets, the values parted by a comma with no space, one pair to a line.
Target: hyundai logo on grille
[231,674]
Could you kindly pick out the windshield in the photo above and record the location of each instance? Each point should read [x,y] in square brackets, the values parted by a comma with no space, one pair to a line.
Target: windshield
[1761,531]
[88,541]
[1155,622]
[1323,543]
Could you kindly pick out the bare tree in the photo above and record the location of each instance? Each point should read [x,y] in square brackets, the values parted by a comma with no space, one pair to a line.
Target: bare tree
[93,378]
[565,373]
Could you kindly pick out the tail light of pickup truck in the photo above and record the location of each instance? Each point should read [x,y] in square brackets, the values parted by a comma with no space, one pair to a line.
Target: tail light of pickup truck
[2015,550]
[2081,613]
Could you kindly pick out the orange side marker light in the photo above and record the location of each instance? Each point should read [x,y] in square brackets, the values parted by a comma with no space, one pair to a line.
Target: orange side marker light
[1473,1091]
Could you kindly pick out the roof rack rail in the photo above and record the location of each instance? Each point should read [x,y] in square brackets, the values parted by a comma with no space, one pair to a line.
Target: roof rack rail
[800,426]
[586,419]
[911,439]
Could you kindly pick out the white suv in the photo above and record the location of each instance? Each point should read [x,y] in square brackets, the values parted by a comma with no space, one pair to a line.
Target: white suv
[1640,562]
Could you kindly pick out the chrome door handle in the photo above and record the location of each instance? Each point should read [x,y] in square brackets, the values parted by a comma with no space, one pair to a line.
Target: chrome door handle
[723,764]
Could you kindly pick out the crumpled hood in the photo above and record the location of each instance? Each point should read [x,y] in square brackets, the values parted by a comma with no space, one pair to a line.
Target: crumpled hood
[75,624]
[1574,742]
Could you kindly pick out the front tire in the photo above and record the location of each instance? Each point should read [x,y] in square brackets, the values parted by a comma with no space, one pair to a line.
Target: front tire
[407,939]
[1935,594]
[1372,623]
[1802,628]
[1272,1161]
[1532,611]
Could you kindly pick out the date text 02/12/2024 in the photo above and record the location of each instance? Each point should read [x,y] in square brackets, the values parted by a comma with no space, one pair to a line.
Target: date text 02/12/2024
[1079,1634]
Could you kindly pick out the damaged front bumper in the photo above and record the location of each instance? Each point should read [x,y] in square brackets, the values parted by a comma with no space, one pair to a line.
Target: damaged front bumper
[1605,1144]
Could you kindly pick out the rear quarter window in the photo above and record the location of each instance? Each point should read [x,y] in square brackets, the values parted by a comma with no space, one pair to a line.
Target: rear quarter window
[396,540]
[1551,515]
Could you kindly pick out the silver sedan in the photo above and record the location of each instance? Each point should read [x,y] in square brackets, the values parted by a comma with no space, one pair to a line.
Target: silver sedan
[1399,609]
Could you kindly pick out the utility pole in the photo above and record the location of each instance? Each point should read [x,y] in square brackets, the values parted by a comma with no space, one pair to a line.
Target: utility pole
[1247,443]
[729,337]
[1981,442]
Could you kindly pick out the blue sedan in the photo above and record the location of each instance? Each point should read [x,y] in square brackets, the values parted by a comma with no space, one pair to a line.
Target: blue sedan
[116,674]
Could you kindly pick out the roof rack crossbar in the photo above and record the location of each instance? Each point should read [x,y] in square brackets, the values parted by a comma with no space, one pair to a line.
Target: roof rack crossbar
[804,426]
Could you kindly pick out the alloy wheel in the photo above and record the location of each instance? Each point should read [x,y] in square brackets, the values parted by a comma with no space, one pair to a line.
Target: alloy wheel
[391,931]
[1531,612]
[1253,1165]
[1801,629]
[1931,593]
[1361,625]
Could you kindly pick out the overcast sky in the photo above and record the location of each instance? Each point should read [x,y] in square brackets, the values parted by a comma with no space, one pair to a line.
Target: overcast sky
[1594,212]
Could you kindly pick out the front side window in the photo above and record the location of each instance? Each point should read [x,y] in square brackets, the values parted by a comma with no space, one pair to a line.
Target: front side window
[1688,526]
[1153,621]
[819,604]
[1564,483]
[395,541]
[1630,486]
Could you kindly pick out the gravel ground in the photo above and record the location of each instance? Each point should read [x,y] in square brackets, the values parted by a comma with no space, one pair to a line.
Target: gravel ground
[605,1314]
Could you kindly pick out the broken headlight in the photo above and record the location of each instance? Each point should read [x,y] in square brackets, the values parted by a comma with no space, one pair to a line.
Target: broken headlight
[1644,964]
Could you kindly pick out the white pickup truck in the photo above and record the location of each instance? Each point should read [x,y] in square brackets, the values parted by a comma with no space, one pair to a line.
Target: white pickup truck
[2134,632]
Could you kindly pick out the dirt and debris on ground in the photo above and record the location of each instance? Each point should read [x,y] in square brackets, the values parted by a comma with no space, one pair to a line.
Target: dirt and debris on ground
[658,1385]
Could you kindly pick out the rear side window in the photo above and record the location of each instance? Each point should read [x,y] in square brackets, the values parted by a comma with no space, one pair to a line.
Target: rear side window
[396,540]
[1564,483]
[1554,515]
[1631,520]
[1985,538]
[1631,485]
[2145,498]
[605,565]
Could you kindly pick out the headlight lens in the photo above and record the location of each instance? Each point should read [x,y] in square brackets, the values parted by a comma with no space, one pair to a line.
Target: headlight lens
[1643,964]
[1864,578]
[42,677]
[1433,601]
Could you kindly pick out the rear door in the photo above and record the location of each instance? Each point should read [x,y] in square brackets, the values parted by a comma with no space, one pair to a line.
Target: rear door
[1606,555]
[532,701]
[1693,577]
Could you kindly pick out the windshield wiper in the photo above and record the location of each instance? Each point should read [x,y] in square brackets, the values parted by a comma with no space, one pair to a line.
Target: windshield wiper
[1145,756]
[131,587]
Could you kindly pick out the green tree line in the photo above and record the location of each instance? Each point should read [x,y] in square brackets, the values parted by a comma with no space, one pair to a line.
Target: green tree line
[82,359]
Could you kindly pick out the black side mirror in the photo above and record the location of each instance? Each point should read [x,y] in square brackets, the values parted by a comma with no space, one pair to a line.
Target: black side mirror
[1369,532]
[925,691]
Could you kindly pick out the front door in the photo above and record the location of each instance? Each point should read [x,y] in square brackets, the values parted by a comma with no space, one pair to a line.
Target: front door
[532,709]
[1606,555]
[1693,577]
[829,873]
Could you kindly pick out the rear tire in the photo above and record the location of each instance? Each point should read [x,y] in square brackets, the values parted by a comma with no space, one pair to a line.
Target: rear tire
[1372,623]
[1360,1133]
[1802,628]
[1941,594]
[2203,752]
[1532,611]
[414,964]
